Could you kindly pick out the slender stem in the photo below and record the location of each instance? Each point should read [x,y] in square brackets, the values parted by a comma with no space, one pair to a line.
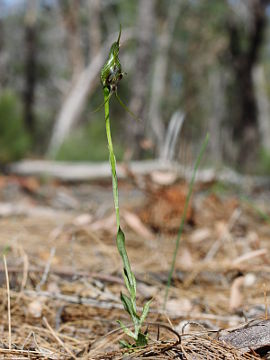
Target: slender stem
[120,235]
[199,158]
[111,154]
[129,302]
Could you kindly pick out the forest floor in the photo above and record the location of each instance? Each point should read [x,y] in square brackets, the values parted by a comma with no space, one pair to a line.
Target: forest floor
[65,271]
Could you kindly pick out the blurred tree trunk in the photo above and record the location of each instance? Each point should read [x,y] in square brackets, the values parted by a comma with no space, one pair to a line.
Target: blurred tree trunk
[95,36]
[156,124]
[217,114]
[30,64]
[145,25]
[70,13]
[244,58]
[260,82]
[2,56]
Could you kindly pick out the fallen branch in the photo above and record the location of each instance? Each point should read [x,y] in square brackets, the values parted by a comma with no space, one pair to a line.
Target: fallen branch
[85,171]
[252,336]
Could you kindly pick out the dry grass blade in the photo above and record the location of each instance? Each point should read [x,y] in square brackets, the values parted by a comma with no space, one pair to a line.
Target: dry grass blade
[8,300]
[57,338]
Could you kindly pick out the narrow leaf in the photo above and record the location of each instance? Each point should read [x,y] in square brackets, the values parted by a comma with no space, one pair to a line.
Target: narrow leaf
[145,311]
[127,303]
[124,106]
[127,282]
[120,239]
[101,105]
[190,188]
[125,345]
[126,330]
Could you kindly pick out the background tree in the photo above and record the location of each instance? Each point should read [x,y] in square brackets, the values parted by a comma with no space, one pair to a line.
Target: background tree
[245,42]
[30,64]
[206,59]
[141,75]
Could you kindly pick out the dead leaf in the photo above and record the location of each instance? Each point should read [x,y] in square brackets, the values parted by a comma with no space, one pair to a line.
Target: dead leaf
[164,208]
[236,293]
[35,307]
[135,223]
[250,255]
[185,259]
[29,184]
[3,181]
[163,178]
[200,235]
[83,219]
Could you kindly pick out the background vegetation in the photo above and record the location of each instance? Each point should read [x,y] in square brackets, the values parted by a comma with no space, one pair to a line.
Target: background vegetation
[207,60]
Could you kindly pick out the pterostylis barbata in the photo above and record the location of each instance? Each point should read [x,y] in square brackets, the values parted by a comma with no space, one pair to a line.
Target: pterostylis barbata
[111,74]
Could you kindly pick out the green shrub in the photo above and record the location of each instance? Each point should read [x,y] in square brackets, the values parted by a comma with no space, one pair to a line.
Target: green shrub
[14,140]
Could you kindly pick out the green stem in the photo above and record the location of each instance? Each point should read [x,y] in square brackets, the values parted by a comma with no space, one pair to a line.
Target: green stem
[106,93]
[120,235]
[129,302]
[199,158]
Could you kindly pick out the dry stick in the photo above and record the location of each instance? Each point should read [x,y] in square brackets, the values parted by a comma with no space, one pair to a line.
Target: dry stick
[199,158]
[265,301]
[249,255]
[25,271]
[47,269]
[20,352]
[67,272]
[57,338]
[72,299]
[8,298]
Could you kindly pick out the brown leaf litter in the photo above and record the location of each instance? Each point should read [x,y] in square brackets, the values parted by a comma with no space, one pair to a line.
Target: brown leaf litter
[65,273]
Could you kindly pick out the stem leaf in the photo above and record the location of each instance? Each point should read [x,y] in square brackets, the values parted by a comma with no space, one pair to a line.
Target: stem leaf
[142,340]
[129,277]
[145,311]
[126,330]
[129,306]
